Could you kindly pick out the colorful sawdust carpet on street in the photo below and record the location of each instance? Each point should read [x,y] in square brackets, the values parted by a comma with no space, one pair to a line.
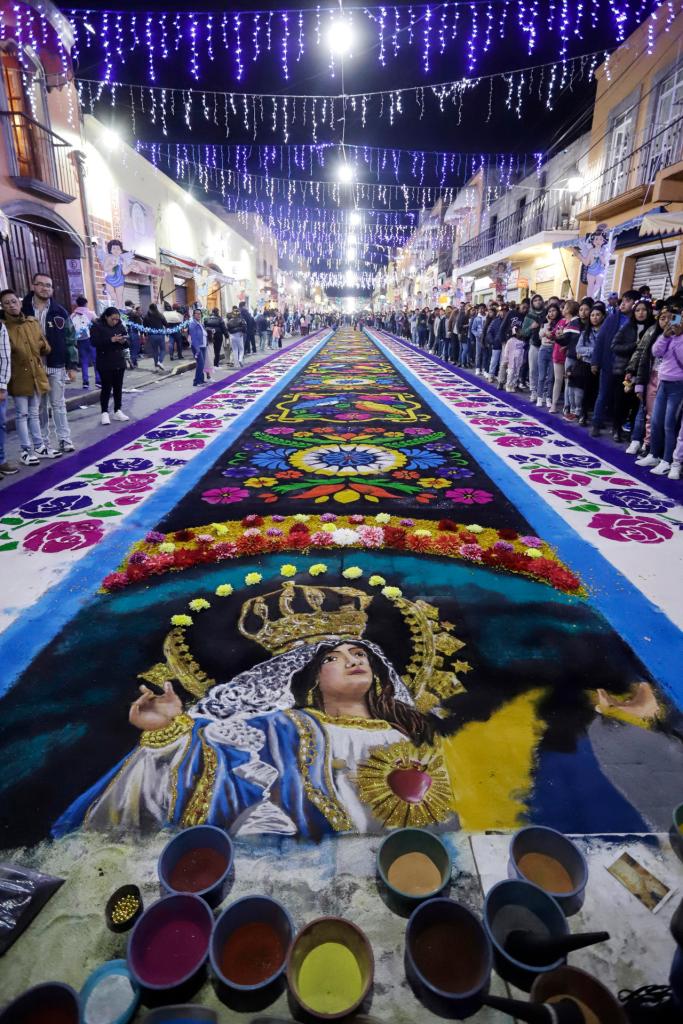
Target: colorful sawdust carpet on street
[350,492]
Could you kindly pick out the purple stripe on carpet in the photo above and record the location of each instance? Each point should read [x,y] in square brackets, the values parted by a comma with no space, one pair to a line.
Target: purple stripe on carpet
[617,456]
[60,470]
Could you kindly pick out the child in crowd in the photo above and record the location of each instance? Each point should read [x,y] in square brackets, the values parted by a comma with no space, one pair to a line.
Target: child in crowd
[545,377]
[585,380]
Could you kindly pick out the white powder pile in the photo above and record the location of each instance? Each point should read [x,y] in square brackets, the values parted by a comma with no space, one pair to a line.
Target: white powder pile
[109,1000]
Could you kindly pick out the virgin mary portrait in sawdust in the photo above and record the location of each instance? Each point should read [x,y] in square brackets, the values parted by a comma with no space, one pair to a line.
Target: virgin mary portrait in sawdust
[322,737]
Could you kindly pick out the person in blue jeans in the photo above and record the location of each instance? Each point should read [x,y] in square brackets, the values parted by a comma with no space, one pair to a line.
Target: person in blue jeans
[198,342]
[603,359]
[82,318]
[6,468]
[669,401]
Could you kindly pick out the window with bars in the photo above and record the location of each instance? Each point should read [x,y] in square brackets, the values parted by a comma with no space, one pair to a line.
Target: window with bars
[619,155]
[666,130]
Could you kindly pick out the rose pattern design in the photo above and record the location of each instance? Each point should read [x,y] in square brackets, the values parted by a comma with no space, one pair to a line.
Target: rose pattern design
[557,477]
[54,538]
[163,432]
[635,499]
[133,482]
[631,528]
[575,461]
[52,505]
[512,441]
[188,444]
[124,465]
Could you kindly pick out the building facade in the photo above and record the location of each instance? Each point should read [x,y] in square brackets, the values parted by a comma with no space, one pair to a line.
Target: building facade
[78,202]
[635,156]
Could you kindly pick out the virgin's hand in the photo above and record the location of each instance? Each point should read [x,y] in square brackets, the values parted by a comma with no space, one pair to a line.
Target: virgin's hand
[150,712]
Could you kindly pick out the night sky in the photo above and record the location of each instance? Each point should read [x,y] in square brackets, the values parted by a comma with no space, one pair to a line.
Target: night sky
[467,129]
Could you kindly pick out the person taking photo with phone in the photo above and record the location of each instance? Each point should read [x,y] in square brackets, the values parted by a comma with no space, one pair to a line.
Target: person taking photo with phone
[109,338]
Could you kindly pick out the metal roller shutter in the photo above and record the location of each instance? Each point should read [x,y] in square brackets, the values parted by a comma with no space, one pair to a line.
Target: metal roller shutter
[608,283]
[652,270]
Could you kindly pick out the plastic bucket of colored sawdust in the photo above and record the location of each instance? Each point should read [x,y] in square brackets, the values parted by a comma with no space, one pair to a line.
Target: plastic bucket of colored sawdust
[676,831]
[51,1003]
[413,866]
[168,949]
[249,948]
[448,958]
[550,860]
[330,969]
[198,861]
[517,905]
[596,1002]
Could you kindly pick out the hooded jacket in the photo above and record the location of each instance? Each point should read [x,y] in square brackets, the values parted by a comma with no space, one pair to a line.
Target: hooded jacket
[28,345]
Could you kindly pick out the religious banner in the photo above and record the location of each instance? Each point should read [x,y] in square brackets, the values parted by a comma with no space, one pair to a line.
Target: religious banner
[594,251]
[116,263]
[137,226]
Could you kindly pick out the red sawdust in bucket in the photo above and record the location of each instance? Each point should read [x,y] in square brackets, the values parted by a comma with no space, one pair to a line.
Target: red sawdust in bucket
[252,954]
[197,869]
[449,956]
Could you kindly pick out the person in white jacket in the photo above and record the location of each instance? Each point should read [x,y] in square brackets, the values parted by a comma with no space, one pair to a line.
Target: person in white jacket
[6,468]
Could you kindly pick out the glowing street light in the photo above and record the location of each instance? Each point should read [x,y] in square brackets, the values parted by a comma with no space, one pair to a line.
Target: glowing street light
[345,174]
[340,37]
[111,140]
[351,252]
[355,219]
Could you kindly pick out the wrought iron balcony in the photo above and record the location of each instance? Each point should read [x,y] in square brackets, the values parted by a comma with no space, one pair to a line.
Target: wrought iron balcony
[539,215]
[616,185]
[40,161]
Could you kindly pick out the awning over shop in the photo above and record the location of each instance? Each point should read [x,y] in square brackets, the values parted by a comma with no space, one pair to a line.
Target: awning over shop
[662,223]
[188,267]
[618,229]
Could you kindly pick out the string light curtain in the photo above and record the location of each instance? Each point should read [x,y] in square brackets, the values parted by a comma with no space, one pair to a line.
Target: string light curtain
[463,31]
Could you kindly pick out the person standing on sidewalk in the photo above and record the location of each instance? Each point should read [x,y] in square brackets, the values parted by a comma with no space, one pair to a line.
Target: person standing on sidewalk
[250,331]
[215,328]
[262,331]
[237,328]
[198,342]
[56,326]
[82,319]
[134,323]
[28,380]
[109,337]
[6,468]
[156,322]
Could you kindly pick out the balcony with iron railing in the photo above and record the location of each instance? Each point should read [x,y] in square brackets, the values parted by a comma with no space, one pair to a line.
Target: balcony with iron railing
[629,179]
[541,214]
[40,161]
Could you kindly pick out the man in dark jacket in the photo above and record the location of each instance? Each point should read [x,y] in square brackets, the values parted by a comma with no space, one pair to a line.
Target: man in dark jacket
[57,327]
[215,329]
[250,339]
[237,329]
[603,358]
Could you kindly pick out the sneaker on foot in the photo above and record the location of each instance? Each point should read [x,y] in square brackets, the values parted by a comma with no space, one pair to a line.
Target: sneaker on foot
[104,419]
[86,387]
[661,469]
[647,460]
[66,446]
[28,458]
[121,416]
[8,469]
[674,472]
[540,403]
[595,431]
[633,448]
[47,453]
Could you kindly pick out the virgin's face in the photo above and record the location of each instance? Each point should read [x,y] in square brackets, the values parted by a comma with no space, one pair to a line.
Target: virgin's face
[345,672]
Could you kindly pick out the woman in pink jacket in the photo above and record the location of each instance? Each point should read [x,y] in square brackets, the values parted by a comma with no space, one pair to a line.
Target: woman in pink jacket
[666,414]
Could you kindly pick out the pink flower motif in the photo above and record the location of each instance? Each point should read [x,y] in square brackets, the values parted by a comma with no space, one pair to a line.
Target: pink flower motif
[115,581]
[640,529]
[280,430]
[559,477]
[531,542]
[512,441]
[372,536]
[328,517]
[205,424]
[224,495]
[322,539]
[488,421]
[356,519]
[623,481]
[132,482]
[417,431]
[568,495]
[54,538]
[128,499]
[407,522]
[226,549]
[472,551]
[132,447]
[273,531]
[503,545]
[278,519]
[183,444]
[469,496]
[252,532]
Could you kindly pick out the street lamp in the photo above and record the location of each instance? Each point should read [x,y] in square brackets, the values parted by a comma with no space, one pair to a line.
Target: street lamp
[340,37]
[355,219]
[111,139]
[345,173]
